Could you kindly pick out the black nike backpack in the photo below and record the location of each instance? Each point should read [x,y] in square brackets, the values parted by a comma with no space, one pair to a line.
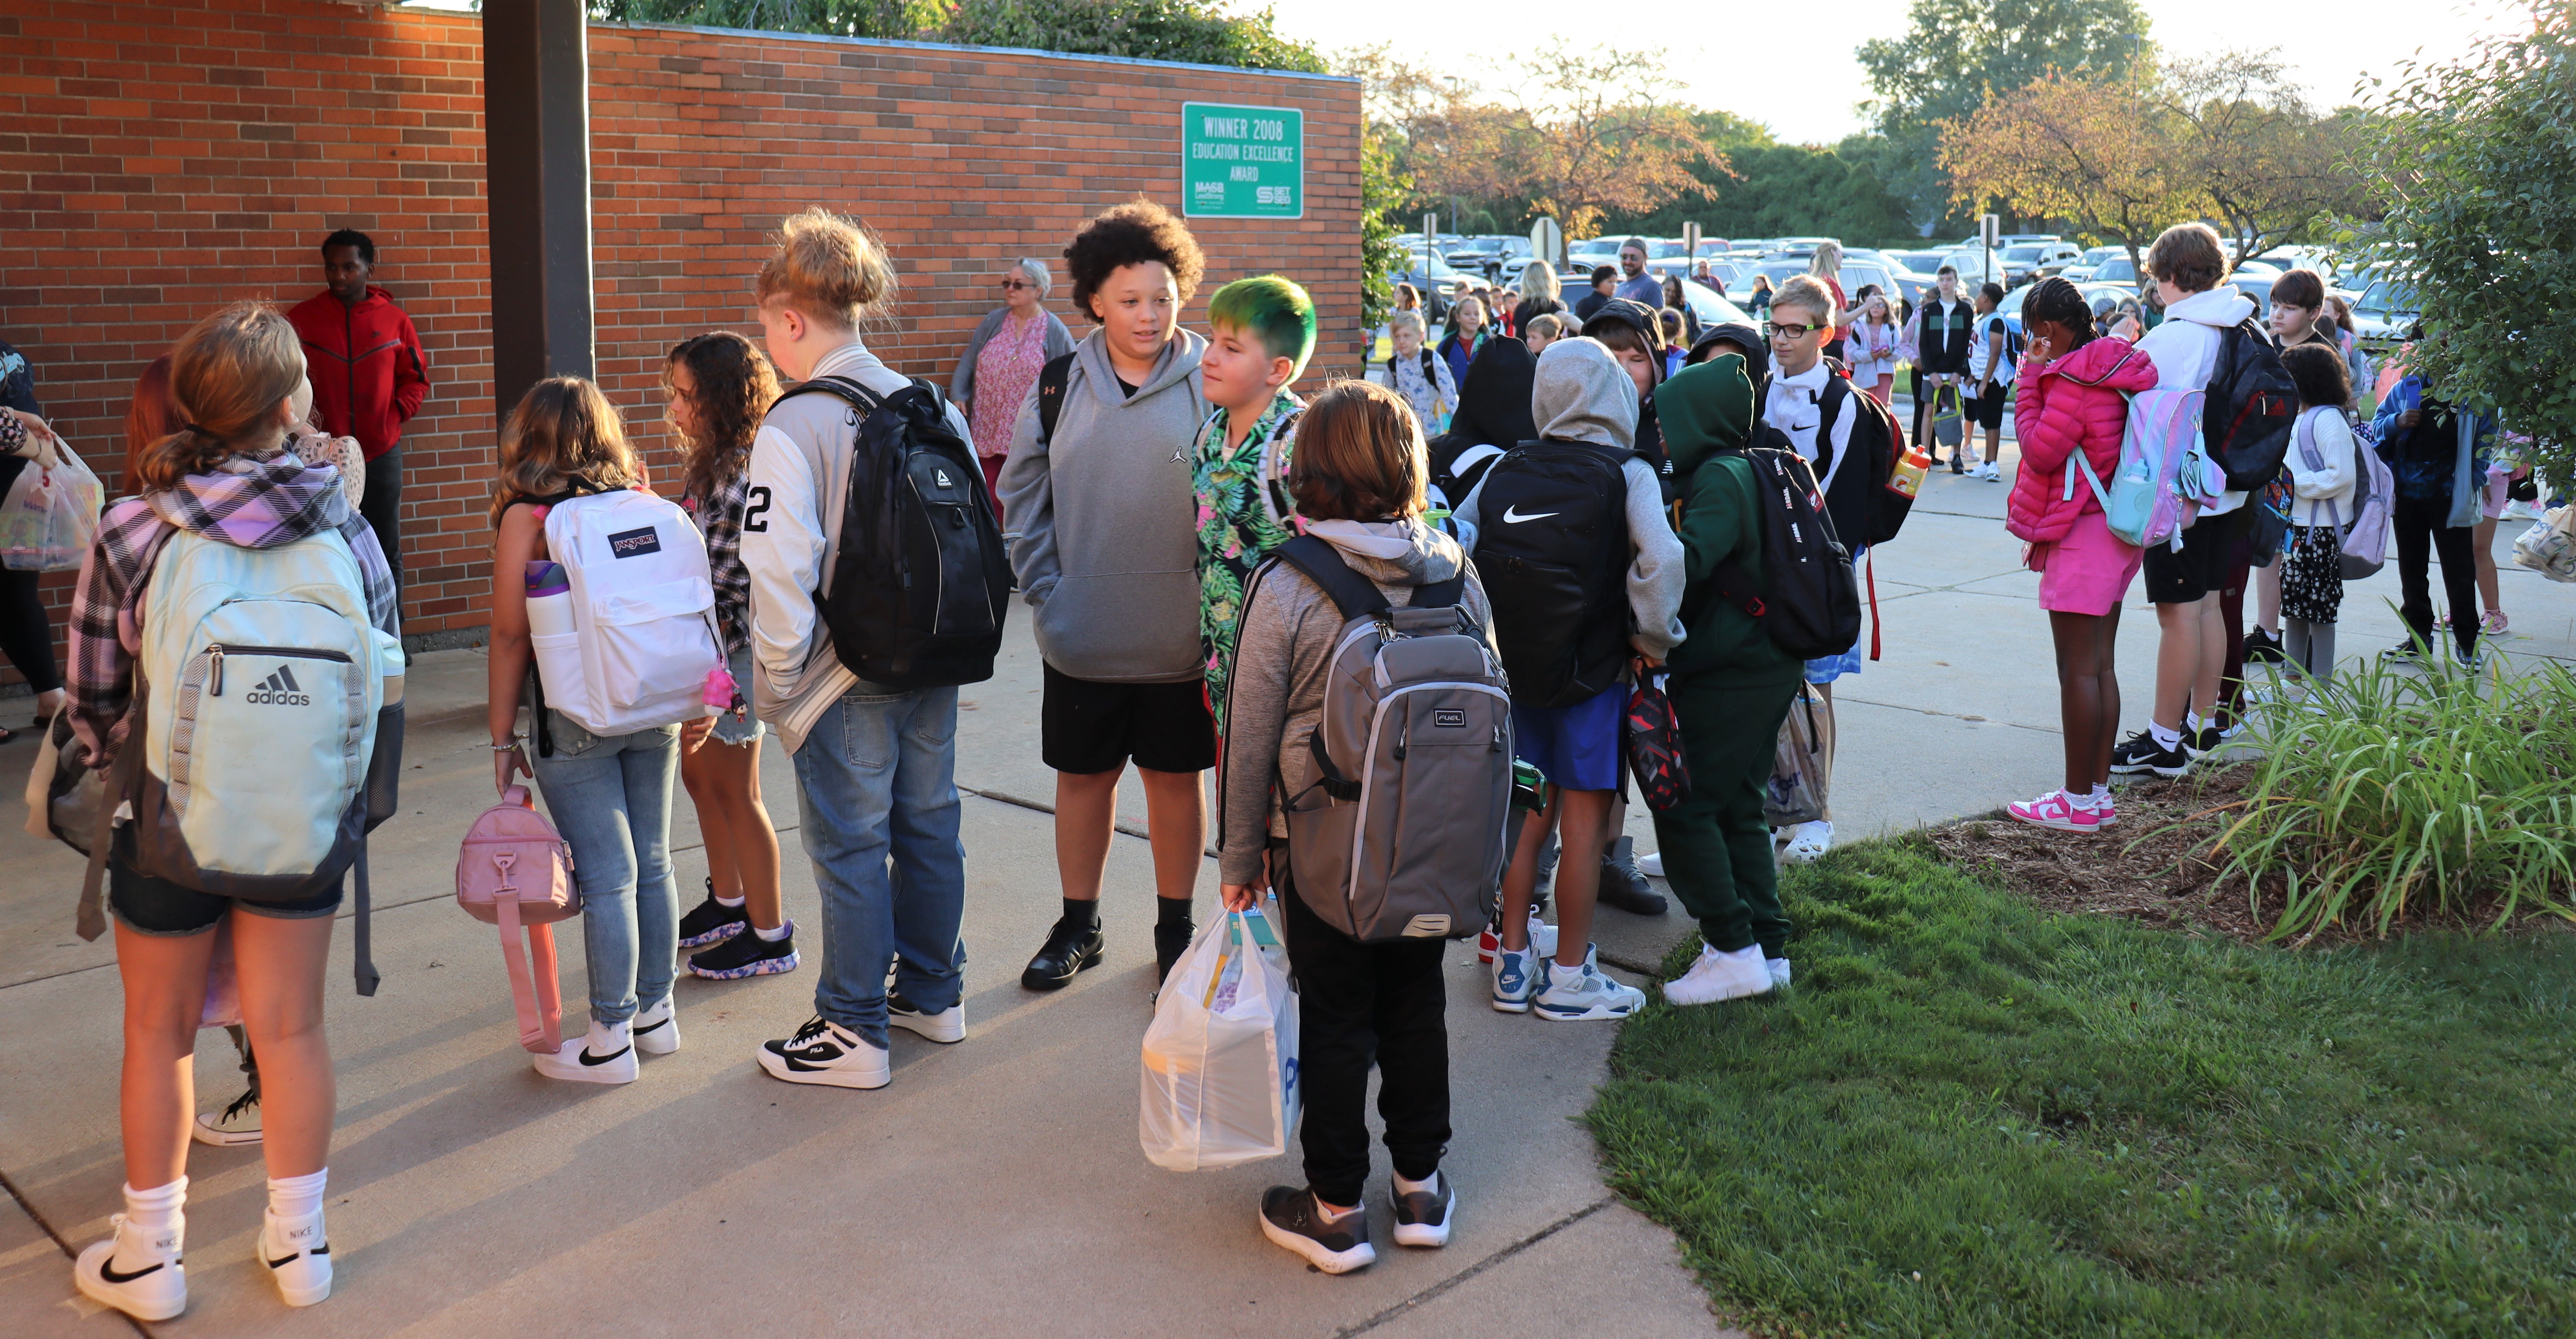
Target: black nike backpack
[1808,600]
[920,580]
[1863,507]
[1552,548]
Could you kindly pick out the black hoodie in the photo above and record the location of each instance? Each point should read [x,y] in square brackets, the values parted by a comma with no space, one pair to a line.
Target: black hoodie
[1493,411]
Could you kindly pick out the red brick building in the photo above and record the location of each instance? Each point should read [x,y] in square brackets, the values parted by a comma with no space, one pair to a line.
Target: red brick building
[159,160]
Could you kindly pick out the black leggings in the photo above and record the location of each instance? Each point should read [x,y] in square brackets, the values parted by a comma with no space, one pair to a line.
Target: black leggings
[26,635]
[2421,533]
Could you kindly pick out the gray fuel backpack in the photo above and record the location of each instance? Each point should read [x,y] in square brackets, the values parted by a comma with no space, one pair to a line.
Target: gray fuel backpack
[1404,835]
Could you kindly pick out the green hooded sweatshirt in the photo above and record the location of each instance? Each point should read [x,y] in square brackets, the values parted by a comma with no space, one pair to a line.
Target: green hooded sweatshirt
[1707,415]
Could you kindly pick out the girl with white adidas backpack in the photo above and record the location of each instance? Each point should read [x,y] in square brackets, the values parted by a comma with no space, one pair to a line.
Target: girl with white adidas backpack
[234,647]
[622,661]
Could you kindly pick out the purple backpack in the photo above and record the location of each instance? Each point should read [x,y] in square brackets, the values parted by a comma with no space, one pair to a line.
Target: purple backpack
[2365,540]
[515,871]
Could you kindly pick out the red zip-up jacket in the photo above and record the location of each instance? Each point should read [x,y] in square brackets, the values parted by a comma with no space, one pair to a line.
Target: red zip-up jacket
[369,374]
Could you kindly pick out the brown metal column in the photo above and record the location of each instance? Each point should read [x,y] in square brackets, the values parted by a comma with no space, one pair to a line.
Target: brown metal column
[536,134]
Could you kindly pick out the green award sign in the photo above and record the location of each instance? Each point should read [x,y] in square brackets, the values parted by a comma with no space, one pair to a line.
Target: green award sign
[1242,162]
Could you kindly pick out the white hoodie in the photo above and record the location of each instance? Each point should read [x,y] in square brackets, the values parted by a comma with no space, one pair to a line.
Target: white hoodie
[2185,349]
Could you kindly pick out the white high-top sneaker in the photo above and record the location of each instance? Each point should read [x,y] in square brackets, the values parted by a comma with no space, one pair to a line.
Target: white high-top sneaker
[657,1030]
[152,1286]
[1720,976]
[298,1256]
[605,1054]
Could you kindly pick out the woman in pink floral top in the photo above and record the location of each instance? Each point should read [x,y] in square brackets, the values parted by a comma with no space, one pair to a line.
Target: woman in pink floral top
[995,379]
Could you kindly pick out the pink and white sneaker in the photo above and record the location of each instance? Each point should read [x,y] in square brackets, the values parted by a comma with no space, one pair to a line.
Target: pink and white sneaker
[2055,810]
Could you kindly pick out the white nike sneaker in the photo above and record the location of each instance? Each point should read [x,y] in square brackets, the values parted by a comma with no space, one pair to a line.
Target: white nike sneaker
[156,1288]
[1779,969]
[657,1030]
[1651,864]
[604,1054]
[1581,994]
[298,1255]
[947,1027]
[1716,976]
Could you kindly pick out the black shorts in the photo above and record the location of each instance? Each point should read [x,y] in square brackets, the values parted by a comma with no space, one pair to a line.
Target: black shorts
[2208,550]
[1987,411]
[1086,727]
[159,907]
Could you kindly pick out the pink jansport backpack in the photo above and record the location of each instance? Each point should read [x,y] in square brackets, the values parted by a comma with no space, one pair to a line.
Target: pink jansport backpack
[514,871]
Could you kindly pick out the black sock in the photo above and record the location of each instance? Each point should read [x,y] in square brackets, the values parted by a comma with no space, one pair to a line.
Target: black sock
[1171,911]
[1082,911]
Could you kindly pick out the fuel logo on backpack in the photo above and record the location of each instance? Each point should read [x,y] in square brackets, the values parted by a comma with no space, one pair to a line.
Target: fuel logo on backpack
[279,689]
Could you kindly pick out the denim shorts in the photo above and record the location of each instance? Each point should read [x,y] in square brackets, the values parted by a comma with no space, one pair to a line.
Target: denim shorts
[745,727]
[158,907]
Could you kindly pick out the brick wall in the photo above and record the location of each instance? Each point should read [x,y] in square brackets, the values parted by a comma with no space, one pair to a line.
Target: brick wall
[158,160]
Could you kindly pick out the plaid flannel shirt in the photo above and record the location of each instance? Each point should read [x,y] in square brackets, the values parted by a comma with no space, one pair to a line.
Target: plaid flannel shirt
[720,518]
[258,505]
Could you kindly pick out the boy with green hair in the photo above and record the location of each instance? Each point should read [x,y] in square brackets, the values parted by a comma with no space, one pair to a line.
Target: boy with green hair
[1261,331]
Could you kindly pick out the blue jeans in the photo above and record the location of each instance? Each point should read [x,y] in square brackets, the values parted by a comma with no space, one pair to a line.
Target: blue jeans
[611,799]
[876,782]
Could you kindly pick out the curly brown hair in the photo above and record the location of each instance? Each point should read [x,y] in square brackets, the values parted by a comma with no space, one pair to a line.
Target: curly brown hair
[1132,234]
[734,388]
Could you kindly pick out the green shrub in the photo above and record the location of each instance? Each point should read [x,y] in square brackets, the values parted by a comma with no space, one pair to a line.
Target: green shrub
[2386,793]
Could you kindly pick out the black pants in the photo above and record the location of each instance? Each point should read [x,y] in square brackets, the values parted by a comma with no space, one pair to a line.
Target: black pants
[1357,1005]
[2421,532]
[382,506]
[26,636]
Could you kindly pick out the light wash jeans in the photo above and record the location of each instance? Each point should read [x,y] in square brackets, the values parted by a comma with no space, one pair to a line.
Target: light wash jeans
[876,784]
[611,799]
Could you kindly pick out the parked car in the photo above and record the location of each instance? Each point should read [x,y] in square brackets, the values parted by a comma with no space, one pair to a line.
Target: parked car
[2081,268]
[2119,269]
[2385,312]
[1487,255]
[2026,261]
[1712,309]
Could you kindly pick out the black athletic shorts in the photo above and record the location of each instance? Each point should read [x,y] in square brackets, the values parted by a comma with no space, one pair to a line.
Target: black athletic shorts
[164,909]
[2200,569]
[1987,411]
[1087,727]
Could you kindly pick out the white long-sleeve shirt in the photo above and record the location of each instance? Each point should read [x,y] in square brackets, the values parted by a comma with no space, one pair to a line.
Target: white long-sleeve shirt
[2324,494]
[1794,407]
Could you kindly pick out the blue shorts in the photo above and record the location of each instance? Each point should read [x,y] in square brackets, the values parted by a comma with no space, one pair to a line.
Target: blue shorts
[1826,669]
[1577,746]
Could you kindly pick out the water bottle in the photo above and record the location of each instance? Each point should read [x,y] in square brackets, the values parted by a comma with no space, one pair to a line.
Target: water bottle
[551,638]
[549,600]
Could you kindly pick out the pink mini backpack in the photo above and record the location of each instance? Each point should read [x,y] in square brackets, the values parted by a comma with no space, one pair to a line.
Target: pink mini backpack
[515,871]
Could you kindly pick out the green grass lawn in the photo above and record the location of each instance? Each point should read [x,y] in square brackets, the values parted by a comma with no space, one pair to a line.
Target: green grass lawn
[1974,1118]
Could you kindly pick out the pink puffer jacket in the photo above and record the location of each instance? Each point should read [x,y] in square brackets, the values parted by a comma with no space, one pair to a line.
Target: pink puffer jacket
[2077,399]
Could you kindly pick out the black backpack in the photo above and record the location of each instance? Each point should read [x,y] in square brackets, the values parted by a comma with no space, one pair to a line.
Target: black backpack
[1552,548]
[1861,503]
[2251,407]
[1052,380]
[1808,601]
[1456,468]
[920,581]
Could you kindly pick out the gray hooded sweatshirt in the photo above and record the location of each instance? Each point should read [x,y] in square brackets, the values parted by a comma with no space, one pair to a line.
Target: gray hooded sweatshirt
[1583,395]
[1107,523]
[1275,697]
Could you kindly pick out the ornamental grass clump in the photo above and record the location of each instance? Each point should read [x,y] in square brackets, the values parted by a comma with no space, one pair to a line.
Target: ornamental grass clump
[2388,794]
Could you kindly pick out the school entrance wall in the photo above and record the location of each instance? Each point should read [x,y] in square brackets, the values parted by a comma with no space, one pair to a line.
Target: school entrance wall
[159,160]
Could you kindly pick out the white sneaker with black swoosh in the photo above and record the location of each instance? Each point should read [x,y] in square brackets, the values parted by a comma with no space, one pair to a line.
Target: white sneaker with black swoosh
[825,1052]
[298,1255]
[605,1054]
[153,1286]
[657,1030]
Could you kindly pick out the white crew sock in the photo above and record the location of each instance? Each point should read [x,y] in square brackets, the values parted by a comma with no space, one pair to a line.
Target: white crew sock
[771,935]
[2101,795]
[2166,738]
[2196,721]
[2086,800]
[1430,1183]
[296,1196]
[724,901]
[155,1221]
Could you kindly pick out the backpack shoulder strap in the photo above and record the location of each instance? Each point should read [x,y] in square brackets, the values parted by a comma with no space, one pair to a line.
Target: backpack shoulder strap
[859,397]
[1353,594]
[1052,379]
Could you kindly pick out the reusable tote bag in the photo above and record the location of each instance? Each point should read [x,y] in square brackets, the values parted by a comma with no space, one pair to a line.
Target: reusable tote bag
[1220,1073]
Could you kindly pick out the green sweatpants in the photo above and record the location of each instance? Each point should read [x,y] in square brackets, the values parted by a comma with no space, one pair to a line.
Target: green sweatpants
[1716,848]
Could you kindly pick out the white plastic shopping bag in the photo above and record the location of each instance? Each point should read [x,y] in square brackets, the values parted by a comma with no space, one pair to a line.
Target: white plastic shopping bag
[50,514]
[1220,1073]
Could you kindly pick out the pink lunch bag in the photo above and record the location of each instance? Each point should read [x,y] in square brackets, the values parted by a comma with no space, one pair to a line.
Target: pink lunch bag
[513,871]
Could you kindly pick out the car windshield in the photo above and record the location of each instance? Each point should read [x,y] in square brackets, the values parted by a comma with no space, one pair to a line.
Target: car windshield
[2387,299]
[2021,253]
[2117,267]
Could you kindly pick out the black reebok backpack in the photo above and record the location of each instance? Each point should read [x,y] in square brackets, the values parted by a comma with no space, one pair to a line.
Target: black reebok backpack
[1808,600]
[2251,407]
[920,581]
[1861,503]
[1552,547]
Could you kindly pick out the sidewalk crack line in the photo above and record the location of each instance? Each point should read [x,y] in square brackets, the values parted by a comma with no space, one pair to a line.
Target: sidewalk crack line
[1435,1290]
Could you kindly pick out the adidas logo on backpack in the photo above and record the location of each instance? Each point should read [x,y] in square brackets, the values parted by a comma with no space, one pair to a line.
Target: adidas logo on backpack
[279,689]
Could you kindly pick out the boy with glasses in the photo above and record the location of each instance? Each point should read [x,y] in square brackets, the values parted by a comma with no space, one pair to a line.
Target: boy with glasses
[1802,320]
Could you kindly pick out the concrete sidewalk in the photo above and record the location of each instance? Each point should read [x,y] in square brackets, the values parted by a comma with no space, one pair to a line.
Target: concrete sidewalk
[996,1186]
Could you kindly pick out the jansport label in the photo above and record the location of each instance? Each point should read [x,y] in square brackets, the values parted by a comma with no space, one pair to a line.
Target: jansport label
[634,543]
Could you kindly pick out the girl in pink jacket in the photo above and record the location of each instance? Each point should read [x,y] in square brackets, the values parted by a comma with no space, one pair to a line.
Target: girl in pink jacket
[2070,414]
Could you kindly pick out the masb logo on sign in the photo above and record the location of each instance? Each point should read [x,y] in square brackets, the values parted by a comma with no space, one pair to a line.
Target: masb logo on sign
[278,690]
[634,543]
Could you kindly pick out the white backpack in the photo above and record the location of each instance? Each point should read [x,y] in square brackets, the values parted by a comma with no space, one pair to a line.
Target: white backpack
[643,608]
[270,733]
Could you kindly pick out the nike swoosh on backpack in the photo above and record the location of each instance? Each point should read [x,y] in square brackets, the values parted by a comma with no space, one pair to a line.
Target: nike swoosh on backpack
[108,1272]
[1512,516]
[588,1059]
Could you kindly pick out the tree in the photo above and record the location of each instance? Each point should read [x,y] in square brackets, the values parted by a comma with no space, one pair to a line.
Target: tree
[1198,31]
[2102,152]
[2476,164]
[1584,138]
[2268,165]
[1957,55]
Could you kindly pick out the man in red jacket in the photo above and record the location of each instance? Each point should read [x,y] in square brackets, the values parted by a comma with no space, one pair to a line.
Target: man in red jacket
[369,375]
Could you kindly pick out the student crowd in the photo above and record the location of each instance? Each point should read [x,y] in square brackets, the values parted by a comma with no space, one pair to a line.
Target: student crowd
[1144,476]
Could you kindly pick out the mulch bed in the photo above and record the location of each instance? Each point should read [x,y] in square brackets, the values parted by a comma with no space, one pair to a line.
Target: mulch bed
[2151,868]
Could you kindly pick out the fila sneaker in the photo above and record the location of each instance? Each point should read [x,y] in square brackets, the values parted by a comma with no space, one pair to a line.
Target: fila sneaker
[824,1052]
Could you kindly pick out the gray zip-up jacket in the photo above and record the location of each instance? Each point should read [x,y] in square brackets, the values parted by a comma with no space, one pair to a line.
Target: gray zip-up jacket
[791,536]
[1275,697]
[1107,547]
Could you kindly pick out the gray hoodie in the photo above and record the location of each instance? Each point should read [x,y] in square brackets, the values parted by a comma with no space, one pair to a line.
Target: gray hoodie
[1107,543]
[1275,697]
[1583,395]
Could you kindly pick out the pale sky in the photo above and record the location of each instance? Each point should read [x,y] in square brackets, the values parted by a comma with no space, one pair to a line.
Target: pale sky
[1758,60]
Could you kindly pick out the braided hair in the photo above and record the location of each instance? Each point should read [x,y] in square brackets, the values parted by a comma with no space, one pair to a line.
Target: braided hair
[2058,299]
